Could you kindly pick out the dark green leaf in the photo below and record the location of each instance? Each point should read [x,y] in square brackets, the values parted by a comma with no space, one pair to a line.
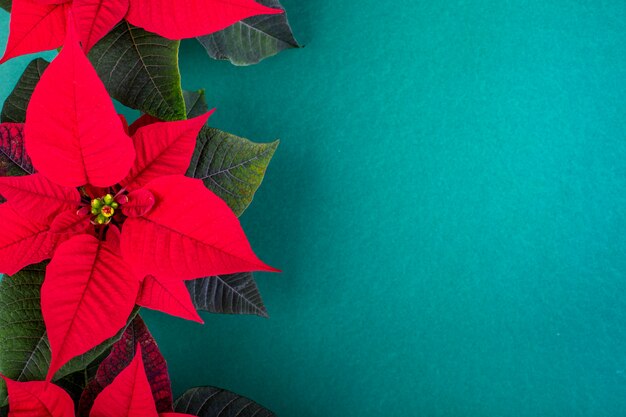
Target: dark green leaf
[253,39]
[230,166]
[76,383]
[195,103]
[227,294]
[14,109]
[24,347]
[6,5]
[218,402]
[140,70]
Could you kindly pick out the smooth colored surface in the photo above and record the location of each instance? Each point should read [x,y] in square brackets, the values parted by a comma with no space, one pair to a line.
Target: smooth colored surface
[447,205]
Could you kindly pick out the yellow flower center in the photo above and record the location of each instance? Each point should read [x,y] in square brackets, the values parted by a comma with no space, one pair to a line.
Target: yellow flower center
[103,209]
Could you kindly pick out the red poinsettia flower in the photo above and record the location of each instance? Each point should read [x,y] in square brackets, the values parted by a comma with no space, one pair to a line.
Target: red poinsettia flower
[129,395]
[116,215]
[39,25]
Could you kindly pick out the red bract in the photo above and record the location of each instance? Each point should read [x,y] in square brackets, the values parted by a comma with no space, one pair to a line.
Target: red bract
[129,395]
[74,134]
[172,227]
[82,272]
[38,398]
[168,296]
[40,25]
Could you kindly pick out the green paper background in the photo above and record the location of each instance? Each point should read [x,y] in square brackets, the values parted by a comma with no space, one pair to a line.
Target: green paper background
[447,204]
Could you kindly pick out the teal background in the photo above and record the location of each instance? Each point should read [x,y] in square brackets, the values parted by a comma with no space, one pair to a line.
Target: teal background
[447,205]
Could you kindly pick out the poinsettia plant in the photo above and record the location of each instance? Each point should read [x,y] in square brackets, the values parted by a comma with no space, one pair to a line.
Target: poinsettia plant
[128,216]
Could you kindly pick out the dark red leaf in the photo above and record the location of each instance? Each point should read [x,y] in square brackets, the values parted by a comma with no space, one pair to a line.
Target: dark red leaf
[128,395]
[13,157]
[121,355]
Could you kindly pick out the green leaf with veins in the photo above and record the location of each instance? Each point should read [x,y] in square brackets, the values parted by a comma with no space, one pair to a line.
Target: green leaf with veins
[14,108]
[227,294]
[74,384]
[230,166]
[252,40]
[195,103]
[218,402]
[140,70]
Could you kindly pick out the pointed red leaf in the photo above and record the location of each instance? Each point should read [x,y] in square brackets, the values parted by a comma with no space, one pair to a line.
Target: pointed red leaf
[65,225]
[189,233]
[143,120]
[197,18]
[129,394]
[96,18]
[22,241]
[35,27]
[13,157]
[87,296]
[38,398]
[121,355]
[73,133]
[167,296]
[37,198]
[139,203]
[163,148]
